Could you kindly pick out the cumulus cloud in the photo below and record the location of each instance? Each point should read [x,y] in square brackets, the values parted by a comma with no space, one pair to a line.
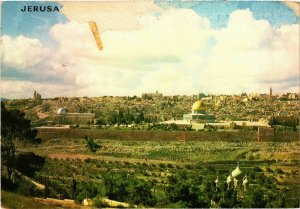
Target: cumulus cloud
[24,56]
[135,61]
[249,53]
[159,40]
[22,52]
[75,39]
[110,15]
[177,56]
[175,52]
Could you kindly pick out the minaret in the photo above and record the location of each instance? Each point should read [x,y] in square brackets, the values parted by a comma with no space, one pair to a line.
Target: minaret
[270,95]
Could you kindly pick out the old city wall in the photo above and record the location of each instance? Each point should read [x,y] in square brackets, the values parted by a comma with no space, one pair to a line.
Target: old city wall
[46,134]
[287,136]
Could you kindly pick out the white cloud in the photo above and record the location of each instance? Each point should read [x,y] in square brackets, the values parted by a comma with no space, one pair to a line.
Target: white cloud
[22,52]
[116,15]
[176,52]
[159,39]
[74,39]
[243,32]
[28,59]
[138,60]
[250,55]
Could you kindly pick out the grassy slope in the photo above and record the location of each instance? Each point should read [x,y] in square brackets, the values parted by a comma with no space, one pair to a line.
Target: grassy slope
[16,201]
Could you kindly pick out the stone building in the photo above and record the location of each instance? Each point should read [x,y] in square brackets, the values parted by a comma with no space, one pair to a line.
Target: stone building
[199,113]
[64,117]
[36,96]
[151,95]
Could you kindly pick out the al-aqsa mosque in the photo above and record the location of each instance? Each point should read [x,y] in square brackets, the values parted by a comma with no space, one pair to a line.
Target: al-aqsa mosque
[199,113]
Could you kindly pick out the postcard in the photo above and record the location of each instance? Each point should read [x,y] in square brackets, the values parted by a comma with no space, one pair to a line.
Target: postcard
[150,104]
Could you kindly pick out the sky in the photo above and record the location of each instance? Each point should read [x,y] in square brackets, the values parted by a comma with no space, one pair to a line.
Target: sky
[174,47]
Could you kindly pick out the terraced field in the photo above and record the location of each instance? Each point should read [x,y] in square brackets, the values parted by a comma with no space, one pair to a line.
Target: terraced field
[156,161]
[175,151]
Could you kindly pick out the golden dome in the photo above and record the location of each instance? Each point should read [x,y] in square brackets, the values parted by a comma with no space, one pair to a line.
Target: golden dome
[236,172]
[199,105]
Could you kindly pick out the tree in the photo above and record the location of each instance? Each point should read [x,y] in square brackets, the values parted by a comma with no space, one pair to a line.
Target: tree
[272,121]
[112,118]
[28,163]
[14,126]
[100,122]
[128,188]
[46,107]
[139,117]
[255,198]
[74,186]
[91,145]
[89,190]
[190,191]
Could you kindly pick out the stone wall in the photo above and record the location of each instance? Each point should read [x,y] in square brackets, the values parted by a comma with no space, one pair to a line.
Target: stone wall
[270,135]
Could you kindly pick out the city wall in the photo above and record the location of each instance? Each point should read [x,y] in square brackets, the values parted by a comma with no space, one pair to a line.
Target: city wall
[262,135]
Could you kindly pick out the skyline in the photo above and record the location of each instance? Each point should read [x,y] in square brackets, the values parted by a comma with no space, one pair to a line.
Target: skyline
[175,48]
[241,94]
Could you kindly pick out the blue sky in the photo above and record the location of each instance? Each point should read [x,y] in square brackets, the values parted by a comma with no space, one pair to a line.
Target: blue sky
[172,44]
[37,25]
[218,12]
[32,24]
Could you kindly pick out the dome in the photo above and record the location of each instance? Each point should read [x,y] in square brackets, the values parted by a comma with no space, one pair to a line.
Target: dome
[245,181]
[229,179]
[61,111]
[236,172]
[199,105]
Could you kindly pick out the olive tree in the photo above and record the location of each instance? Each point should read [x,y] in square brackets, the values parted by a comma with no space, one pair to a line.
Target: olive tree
[14,126]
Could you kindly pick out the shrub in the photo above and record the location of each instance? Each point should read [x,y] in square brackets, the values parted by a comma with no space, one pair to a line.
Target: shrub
[279,171]
[268,169]
[162,165]
[188,166]
[27,188]
[257,169]
[191,191]
[170,165]
[89,190]
[28,163]
[294,172]
[124,187]
[91,145]
[87,160]
[7,184]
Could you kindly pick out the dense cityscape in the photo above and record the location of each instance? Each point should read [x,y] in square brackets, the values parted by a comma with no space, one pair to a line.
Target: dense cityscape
[156,108]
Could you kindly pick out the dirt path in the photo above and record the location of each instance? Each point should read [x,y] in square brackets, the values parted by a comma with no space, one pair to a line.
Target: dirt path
[66,203]
[38,185]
